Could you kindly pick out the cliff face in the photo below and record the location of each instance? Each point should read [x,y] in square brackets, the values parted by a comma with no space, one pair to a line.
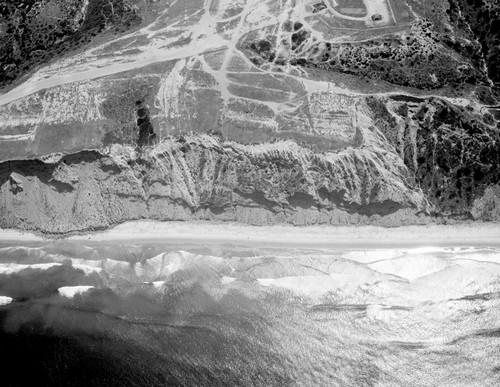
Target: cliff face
[200,177]
[256,111]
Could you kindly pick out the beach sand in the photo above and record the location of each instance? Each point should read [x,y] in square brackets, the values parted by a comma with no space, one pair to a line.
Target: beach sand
[473,234]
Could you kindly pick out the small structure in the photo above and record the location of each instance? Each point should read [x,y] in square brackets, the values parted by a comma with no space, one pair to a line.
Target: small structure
[377,17]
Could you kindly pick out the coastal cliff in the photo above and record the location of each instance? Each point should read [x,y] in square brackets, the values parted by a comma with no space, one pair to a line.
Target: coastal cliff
[300,112]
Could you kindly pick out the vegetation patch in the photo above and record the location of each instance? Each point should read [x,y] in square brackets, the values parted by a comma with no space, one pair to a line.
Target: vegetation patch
[37,31]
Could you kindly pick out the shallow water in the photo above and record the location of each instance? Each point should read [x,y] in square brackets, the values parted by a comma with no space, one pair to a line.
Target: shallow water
[192,314]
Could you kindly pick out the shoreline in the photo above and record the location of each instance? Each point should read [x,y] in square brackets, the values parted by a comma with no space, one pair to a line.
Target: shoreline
[471,234]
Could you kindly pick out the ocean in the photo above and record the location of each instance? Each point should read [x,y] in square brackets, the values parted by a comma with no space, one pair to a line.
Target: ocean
[125,313]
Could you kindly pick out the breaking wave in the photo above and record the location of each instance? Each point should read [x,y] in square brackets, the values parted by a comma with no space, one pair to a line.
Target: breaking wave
[229,315]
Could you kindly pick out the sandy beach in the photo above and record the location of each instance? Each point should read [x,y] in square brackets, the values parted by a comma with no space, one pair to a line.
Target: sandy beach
[477,234]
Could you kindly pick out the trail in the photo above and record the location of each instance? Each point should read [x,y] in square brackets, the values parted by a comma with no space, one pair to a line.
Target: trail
[312,86]
[150,57]
[205,39]
[221,75]
[200,44]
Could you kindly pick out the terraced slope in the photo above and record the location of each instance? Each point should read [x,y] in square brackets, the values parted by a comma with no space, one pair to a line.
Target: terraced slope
[258,111]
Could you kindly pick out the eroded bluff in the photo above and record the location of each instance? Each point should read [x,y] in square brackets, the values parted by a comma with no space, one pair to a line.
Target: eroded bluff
[201,177]
[413,161]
